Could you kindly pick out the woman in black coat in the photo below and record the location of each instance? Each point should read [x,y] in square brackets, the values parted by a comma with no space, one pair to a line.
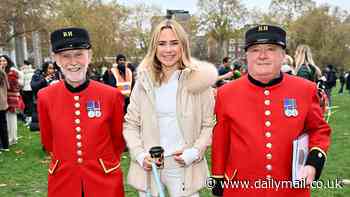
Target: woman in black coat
[48,74]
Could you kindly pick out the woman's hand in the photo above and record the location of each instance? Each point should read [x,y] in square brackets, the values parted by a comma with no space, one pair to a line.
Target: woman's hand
[178,158]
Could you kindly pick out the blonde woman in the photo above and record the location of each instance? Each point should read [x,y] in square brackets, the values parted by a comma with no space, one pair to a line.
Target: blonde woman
[171,106]
[304,64]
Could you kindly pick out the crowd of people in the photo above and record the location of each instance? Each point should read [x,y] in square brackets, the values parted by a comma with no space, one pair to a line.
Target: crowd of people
[87,119]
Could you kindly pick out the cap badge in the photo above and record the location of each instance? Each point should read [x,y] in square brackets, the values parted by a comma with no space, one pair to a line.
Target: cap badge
[67,34]
[263,28]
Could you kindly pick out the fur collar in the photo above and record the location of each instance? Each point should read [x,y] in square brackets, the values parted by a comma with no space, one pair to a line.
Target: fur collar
[199,76]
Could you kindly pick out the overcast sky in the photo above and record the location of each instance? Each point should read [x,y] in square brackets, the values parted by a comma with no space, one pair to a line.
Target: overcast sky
[190,5]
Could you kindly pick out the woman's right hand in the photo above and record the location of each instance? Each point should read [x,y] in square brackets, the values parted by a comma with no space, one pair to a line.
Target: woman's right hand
[147,163]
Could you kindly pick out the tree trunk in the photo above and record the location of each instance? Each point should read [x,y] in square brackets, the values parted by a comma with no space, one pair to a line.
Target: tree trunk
[37,49]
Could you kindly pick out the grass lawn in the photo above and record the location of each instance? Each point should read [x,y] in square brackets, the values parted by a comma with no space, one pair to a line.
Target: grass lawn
[23,170]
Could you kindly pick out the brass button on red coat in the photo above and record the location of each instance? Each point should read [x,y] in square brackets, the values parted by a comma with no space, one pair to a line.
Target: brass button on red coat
[78,137]
[267,112]
[267,102]
[269,145]
[77,105]
[77,121]
[269,156]
[267,92]
[78,129]
[267,123]
[79,153]
[268,134]
[76,98]
[80,160]
[268,167]
[79,144]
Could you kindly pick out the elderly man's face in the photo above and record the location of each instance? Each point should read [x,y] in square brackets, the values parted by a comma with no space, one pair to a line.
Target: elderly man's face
[74,65]
[265,61]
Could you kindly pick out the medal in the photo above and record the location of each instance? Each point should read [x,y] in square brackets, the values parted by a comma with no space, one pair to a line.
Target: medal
[97,109]
[90,109]
[290,107]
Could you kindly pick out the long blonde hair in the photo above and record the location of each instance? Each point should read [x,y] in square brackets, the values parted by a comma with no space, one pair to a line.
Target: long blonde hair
[303,56]
[151,60]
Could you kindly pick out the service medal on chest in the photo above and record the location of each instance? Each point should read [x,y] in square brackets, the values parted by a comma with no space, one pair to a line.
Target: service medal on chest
[97,109]
[290,107]
[90,109]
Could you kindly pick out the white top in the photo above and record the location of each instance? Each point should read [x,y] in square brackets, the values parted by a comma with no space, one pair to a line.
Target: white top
[28,73]
[171,138]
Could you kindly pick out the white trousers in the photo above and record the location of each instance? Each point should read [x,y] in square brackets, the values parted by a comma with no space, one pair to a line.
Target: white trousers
[12,127]
[173,179]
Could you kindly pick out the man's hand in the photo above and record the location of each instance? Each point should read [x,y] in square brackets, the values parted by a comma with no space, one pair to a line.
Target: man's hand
[308,173]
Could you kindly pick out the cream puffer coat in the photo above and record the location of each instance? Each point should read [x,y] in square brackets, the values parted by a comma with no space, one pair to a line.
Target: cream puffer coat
[195,106]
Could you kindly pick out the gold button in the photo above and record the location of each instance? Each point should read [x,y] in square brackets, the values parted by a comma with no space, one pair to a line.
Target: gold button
[267,102]
[79,153]
[268,167]
[77,112]
[76,98]
[269,156]
[77,121]
[80,160]
[267,112]
[267,92]
[78,137]
[268,176]
[77,105]
[269,145]
[79,144]
[268,134]
[267,123]
[77,129]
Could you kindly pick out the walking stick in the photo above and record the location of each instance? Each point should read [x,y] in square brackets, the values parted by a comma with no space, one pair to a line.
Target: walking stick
[158,183]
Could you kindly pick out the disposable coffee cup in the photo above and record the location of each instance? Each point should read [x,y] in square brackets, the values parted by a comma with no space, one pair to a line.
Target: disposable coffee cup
[157,154]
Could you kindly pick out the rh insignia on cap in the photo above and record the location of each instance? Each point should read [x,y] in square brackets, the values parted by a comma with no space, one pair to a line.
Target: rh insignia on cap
[67,34]
[263,28]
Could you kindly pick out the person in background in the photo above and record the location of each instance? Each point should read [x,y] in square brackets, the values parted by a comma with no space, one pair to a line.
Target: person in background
[80,124]
[305,66]
[347,80]
[121,77]
[27,93]
[48,74]
[15,80]
[287,65]
[171,106]
[225,72]
[236,71]
[258,117]
[3,108]
[331,81]
[342,81]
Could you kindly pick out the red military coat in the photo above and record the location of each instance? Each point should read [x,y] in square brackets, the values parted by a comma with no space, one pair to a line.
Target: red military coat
[83,132]
[252,139]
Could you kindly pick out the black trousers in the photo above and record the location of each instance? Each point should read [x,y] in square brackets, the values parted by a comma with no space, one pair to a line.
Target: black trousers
[28,101]
[3,130]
